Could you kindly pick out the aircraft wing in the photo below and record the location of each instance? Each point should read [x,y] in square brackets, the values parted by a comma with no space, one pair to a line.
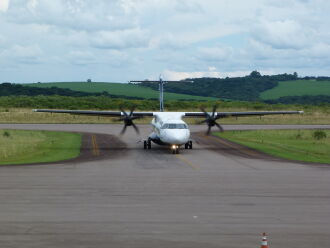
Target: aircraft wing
[93,112]
[241,114]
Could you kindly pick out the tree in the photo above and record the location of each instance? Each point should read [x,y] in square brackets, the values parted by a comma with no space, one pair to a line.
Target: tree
[295,74]
[255,74]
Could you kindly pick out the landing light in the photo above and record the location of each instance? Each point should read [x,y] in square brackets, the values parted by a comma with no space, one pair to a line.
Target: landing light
[174,147]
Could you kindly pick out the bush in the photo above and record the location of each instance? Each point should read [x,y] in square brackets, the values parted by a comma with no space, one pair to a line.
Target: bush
[319,134]
[6,134]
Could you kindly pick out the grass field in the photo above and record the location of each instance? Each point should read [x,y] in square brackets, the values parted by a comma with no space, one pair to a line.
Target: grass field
[297,88]
[132,90]
[289,144]
[24,147]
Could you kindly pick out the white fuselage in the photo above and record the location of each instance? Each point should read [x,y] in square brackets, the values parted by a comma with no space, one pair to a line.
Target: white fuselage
[169,129]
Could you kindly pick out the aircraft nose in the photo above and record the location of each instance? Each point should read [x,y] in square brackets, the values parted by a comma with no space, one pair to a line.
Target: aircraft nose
[177,136]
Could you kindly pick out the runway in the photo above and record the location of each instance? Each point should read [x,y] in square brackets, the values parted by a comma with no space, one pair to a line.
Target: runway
[210,196]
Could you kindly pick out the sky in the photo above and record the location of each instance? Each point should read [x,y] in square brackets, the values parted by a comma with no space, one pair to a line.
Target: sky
[122,40]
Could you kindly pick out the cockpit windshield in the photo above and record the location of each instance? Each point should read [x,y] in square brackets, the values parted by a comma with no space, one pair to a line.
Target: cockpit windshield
[174,126]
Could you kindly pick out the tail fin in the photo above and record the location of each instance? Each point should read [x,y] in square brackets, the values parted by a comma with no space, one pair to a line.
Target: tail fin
[161,94]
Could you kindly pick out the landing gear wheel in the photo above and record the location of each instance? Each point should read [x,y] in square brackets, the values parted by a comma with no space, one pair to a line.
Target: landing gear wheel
[149,144]
[145,144]
[186,146]
[190,146]
[175,151]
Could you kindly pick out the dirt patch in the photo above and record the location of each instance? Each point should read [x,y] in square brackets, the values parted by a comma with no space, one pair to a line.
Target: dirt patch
[99,147]
[226,147]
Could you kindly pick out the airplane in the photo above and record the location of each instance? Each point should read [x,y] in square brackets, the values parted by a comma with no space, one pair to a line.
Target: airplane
[168,127]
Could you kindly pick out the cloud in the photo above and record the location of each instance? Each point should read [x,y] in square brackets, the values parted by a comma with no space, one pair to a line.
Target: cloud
[123,39]
[175,75]
[76,15]
[4,4]
[77,57]
[22,54]
[120,38]
[284,34]
[214,53]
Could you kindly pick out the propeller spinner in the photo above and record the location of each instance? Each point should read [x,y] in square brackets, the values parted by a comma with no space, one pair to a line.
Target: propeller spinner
[211,120]
[128,120]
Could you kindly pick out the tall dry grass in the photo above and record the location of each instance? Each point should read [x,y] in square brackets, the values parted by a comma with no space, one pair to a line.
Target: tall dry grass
[15,115]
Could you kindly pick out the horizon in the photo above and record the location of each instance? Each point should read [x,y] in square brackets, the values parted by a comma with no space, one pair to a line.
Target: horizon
[92,81]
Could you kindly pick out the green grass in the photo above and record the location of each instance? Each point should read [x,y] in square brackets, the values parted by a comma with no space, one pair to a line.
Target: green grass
[132,90]
[24,147]
[289,144]
[297,88]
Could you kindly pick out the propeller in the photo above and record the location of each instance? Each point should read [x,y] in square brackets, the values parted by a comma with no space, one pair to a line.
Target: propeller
[211,120]
[128,120]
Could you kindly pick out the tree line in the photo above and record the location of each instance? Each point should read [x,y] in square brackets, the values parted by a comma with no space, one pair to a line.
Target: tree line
[8,89]
[245,88]
[107,103]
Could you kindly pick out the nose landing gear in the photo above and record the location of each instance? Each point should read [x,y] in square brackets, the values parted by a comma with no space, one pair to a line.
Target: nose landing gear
[175,149]
[147,144]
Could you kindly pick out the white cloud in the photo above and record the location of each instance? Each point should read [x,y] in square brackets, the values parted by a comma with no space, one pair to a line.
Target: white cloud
[77,15]
[134,38]
[4,4]
[175,75]
[286,34]
[22,54]
[214,53]
[137,38]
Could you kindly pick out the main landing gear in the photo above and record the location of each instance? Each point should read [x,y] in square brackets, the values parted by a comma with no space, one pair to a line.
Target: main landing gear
[147,144]
[188,145]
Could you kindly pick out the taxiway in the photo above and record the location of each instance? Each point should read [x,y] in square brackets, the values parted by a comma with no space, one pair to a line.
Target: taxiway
[216,195]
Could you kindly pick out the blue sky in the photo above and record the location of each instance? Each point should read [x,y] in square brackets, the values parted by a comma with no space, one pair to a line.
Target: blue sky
[121,40]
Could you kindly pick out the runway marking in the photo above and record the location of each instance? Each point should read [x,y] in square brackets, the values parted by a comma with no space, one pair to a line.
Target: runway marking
[192,165]
[96,151]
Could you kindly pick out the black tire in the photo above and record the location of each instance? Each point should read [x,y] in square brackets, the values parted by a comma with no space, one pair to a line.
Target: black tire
[145,145]
[149,144]
[190,145]
[186,146]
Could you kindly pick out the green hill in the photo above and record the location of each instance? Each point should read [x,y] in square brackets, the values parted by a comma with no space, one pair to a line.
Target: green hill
[130,90]
[297,88]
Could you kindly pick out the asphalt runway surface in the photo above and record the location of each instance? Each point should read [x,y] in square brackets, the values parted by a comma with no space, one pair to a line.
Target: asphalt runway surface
[216,195]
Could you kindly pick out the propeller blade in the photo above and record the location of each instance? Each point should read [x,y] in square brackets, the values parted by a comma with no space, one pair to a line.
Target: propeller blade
[205,113]
[123,130]
[208,130]
[219,126]
[124,112]
[136,128]
[132,110]
[213,110]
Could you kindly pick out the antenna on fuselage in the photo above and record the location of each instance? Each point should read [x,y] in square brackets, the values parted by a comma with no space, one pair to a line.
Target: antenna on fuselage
[161,83]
